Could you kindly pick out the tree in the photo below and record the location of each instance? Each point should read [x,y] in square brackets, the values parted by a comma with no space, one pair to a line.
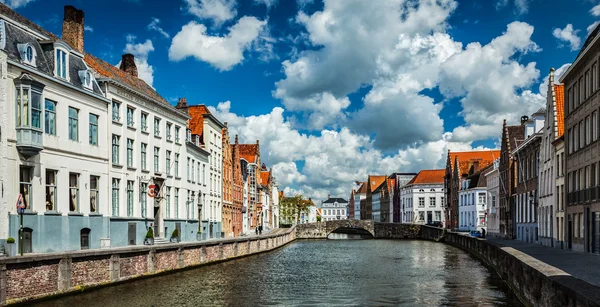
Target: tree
[292,207]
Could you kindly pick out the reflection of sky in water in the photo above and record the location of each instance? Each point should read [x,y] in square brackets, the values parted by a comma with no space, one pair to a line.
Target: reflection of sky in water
[321,273]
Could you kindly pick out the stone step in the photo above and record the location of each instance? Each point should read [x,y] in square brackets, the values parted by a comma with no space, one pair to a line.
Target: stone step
[158,241]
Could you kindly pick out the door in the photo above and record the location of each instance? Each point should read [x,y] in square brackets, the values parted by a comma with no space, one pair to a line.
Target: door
[27,238]
[156,220]
[429,217]
[210,232]
[178,227]
[131,233]
[84,237]
[570,234]
[596,229]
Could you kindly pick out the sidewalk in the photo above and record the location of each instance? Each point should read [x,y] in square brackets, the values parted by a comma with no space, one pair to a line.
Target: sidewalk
[584,266]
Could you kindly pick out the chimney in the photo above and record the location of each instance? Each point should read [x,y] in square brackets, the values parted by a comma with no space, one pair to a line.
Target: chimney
[225,123]
[475,167]
[128,64]
[72,28]
[524,119]
[236,139]
[328,196]
[181,103]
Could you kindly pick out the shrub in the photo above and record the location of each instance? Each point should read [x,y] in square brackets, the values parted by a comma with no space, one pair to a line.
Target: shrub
[175,233]
[150,233]
[10,240]
[318,218]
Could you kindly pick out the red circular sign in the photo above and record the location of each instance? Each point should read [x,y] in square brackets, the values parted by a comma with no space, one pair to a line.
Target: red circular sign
[151,190]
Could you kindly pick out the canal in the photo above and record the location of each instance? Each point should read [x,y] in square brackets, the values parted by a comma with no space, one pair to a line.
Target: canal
[320,273]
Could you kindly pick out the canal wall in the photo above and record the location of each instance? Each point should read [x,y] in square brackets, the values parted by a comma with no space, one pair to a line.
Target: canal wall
[535,282]
[43,275]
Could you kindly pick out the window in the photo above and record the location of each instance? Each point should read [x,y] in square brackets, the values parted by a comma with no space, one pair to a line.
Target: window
[189,177]
[61,63]
[94,194]
[581,91]
[168,164]
[176,165]
[25,185]
[73,192]
[50,117]
[176,202]
[130,184]
[27,53]
[588,134]
[115,149]
[50,190]
[129,153]
[193,177]
[156,157]
[143,158]
[144,122]
[73,124]
[29,102]
[431,201]
[156,126]
[594,126]
[116,114]
[93,129]
[204,173]
[581,135]
[198,172]
[588,88]
[130,114]
[168,199]
[594,78]
[143,197]
[421,202]
[86,79]
[576,95]
[169,131]
[115,196]
[575,138]
[177,134]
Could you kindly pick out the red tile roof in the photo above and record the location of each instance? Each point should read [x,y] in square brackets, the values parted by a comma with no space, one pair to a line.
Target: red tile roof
[197,118]
[107,70]
[429,176]
[249,152]
[264,177]
[559,92]
[376,181]
[466,159]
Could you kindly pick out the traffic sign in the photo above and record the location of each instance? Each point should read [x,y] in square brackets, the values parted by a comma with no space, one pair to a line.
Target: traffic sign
[20,204]
[152,190]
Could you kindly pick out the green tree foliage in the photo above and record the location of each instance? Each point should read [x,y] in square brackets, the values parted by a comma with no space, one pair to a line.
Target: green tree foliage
[292,207]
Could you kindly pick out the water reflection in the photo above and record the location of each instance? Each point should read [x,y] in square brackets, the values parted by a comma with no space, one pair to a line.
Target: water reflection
[320,273]
[348,236]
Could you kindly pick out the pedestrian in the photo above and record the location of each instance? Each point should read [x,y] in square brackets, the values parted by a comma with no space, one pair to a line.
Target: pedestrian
[256,230]
[483,232]
[260,229]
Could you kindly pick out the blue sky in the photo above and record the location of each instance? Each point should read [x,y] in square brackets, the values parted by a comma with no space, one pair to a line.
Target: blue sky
[338,91]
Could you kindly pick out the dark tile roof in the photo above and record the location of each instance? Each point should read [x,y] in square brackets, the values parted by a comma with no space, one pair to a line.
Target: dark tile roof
[44,62]
[333,200]
[515,135]
[10,13]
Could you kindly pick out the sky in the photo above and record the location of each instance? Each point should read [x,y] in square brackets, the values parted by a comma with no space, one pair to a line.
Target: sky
[337,90]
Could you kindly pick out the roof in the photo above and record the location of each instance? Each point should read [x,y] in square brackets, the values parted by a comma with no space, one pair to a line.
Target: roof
[197,118]
[249,152]
[477,180]
[515,134]
[593,36]
[334,200]
[466,159]
[112,72]
[559,92]
[363,188]
[429,176]
[10,13]
[376,181]
[264,177]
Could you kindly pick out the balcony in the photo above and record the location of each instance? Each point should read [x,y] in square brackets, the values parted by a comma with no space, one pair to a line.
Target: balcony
[29,140]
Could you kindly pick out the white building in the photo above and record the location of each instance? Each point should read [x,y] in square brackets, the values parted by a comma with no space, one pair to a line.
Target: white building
[550,211]
[275,203]
[492,179]
[422,198]
[334,209]
[472,199]
[54,138]
[358,194]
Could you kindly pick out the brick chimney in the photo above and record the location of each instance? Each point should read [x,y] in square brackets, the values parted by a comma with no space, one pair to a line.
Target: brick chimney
[72,28]
[181,103]
[475,167]
[128,64]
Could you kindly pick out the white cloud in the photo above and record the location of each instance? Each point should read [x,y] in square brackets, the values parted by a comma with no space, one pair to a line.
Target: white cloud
[591,27]
[219,11]
[569,35]
[267,3]
[140,52]
[88,28]
[303,3]
[222,52]
[595,11]
[15,4]
[155,27]
[521,6]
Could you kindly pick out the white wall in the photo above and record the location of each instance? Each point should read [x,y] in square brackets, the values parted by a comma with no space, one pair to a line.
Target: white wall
[410,195]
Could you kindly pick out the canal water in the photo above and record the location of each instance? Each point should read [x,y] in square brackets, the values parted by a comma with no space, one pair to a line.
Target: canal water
[320,273]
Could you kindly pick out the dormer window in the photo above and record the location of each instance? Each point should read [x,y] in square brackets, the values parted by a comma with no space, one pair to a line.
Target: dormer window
[61,62]
[28,54]
[86,79]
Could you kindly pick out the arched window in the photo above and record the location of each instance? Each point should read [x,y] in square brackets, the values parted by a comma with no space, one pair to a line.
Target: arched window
[432,190]
[85,238]
[421,190]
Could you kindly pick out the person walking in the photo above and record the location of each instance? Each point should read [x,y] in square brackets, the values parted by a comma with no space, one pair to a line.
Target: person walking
[483,232]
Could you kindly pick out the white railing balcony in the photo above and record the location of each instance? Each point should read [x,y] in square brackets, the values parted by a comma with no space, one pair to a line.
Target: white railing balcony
[29,140]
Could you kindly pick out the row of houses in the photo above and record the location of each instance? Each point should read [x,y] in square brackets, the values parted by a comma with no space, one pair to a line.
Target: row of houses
[93,157]
[541,187]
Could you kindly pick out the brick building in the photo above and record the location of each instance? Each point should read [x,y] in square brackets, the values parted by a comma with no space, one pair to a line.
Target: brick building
[228,216]
[238,188]
[507,184]
[250,154]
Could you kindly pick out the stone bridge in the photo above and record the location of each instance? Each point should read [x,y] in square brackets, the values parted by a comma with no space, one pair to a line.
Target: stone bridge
[320,230]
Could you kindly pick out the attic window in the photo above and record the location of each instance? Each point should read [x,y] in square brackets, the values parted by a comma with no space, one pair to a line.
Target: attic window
[421,190]
[27,53]
[86,79]
[432,190]
[61,63]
